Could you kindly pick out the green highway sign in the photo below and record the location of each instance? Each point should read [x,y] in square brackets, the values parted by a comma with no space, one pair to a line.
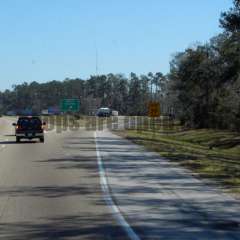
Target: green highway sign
[70,105]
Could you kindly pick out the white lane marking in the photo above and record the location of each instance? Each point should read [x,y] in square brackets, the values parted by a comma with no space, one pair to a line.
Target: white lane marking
[107,196]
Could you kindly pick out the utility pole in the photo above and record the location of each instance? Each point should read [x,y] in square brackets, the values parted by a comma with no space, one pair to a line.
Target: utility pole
[96,60]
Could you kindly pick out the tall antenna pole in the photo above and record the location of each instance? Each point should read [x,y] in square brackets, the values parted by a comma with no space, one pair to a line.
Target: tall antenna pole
[96,60]
[96,53]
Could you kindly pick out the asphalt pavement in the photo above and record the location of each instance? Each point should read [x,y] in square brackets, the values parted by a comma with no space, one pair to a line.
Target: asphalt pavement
[95,185]
[52,190]
[162,200]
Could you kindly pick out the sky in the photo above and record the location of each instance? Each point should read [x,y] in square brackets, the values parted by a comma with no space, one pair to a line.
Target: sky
[48,40]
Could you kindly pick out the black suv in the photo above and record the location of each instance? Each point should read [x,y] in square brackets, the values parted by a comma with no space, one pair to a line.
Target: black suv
[104,112]
[29,128]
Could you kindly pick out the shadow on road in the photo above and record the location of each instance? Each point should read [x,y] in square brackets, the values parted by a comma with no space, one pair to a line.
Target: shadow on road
[178,206]
[143,186]
[82,226]
[91,221]
[171,217]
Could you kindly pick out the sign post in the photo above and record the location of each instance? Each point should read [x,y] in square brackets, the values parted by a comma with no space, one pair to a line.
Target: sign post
[153,112]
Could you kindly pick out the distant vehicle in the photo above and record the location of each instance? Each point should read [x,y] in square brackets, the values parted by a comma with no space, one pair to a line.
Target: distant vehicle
[11,113]
[114,113]
[44,112]
[29,128]
[54,111]
[104,112]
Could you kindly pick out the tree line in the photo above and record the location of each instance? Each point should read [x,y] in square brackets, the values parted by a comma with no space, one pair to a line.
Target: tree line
[204,80]
[129,96]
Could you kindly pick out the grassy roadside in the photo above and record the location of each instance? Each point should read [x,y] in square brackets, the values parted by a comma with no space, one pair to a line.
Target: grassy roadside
[211,154]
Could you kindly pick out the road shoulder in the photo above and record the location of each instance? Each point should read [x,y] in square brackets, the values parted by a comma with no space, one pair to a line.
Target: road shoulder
[161,199]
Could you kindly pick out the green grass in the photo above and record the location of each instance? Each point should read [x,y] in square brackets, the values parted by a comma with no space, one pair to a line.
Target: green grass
[212,154]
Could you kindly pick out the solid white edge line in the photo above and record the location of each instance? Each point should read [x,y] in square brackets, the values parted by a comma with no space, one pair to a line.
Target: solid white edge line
[107,196]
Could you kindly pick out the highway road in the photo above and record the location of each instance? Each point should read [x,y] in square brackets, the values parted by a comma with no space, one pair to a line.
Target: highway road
[52,190]
[95,185]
